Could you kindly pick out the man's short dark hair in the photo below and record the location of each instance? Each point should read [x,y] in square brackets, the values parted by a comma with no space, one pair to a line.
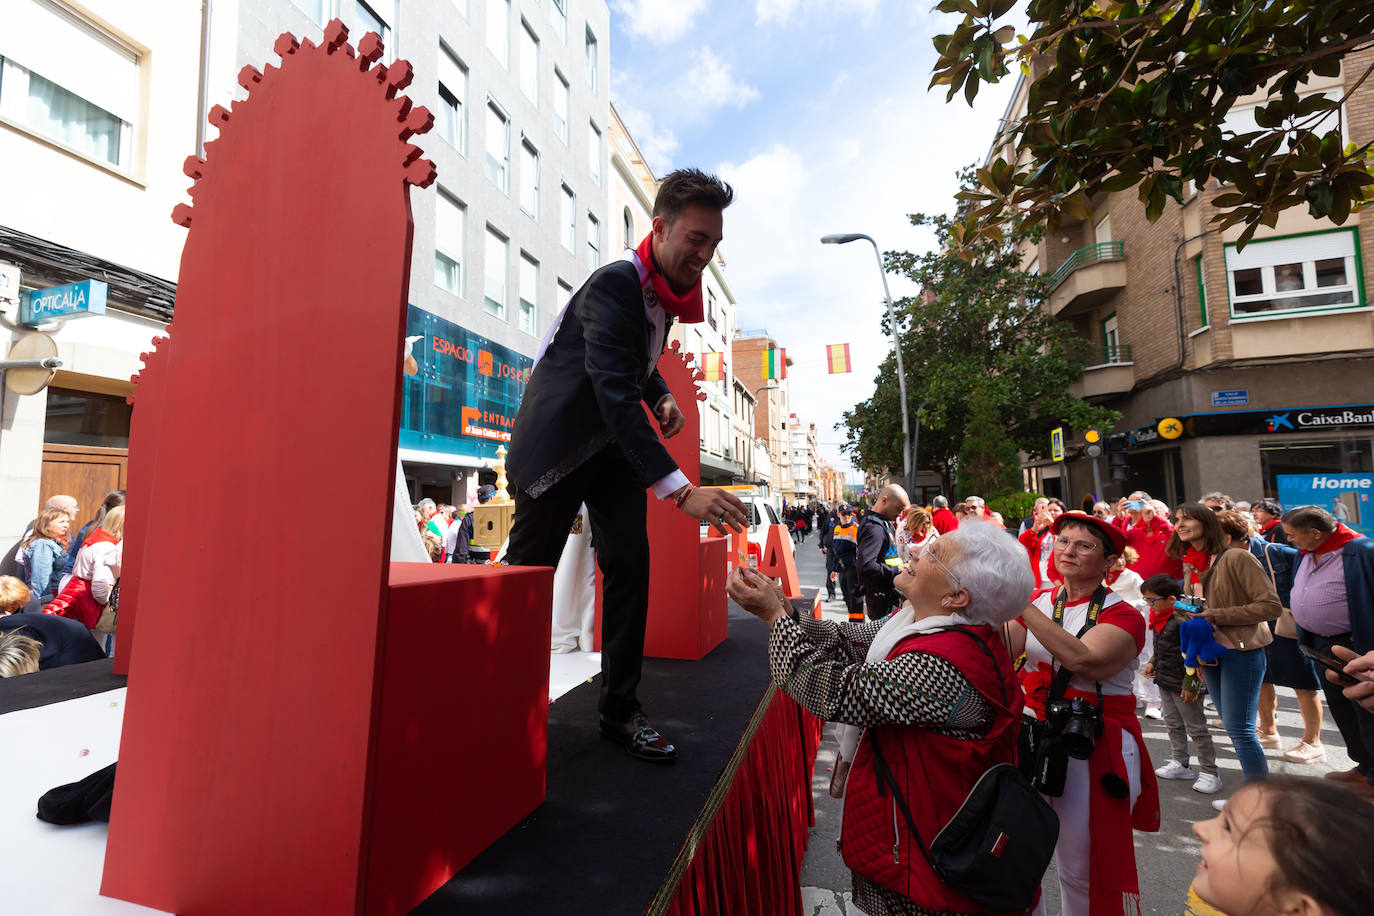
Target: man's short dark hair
[690,186]
[1267,505]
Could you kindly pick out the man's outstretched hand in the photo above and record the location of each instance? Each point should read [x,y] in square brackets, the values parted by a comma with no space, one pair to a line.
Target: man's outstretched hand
[719,508]
[670,417]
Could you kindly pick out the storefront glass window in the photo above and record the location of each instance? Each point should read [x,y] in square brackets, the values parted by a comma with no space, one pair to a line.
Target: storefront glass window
[1326,456]
[84,418]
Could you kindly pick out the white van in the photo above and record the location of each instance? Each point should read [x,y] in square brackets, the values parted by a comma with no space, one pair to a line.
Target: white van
[762,513]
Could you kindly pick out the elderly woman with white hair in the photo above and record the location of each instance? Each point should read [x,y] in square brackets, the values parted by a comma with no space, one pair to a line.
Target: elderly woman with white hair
[930,692]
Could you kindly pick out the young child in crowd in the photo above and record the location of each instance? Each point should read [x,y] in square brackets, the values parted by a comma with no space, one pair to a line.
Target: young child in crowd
[1179,692]
[1287,845]
[14,595]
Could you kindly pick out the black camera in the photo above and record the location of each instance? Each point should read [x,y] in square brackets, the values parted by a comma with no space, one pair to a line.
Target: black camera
[1076,723]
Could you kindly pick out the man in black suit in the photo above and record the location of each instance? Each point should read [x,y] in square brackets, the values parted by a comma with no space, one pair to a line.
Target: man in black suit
[581,434]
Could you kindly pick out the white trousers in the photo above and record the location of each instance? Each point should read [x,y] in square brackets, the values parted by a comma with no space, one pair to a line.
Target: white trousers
[1145,688]
[1072,855]
[574,591]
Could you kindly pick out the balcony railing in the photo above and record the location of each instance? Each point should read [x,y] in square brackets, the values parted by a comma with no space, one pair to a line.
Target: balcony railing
[1093,254]
[1113,354]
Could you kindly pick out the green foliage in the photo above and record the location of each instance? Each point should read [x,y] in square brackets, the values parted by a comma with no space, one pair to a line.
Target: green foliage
[1014,505]
[988,461]
[979,337]
[1133,94]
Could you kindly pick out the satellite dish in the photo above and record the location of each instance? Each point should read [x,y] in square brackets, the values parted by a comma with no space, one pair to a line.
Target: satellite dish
[31,347]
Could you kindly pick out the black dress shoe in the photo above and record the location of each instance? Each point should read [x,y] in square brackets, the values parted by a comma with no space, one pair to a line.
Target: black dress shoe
[639,738]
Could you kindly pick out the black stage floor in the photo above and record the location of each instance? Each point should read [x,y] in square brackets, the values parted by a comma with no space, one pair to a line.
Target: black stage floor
[611,827]
[58,684]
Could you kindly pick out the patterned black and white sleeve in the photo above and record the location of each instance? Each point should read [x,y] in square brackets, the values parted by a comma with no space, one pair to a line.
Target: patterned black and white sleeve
[851,640]
[914,689]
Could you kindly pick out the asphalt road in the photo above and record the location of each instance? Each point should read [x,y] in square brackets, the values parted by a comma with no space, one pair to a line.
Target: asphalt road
[1165,860]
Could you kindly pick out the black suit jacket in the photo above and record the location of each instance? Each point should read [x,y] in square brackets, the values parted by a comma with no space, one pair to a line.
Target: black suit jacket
[875,545]
[586,391]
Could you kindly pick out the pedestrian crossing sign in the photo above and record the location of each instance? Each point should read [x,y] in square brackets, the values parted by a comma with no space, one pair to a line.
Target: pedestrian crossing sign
[1057,443]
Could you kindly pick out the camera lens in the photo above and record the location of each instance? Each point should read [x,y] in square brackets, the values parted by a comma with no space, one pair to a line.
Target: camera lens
[1077,737]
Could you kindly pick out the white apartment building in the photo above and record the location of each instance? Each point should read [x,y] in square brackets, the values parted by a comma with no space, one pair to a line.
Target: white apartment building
[517,218]
[99,106]
[631,201]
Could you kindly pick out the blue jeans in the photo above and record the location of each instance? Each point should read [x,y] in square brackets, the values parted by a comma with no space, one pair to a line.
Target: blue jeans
[1234,683]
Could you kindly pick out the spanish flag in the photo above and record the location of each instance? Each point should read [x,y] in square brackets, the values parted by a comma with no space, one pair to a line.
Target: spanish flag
[713,366]
[774,364]
[837,359]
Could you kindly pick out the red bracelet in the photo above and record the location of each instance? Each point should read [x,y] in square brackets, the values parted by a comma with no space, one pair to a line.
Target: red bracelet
[682,497]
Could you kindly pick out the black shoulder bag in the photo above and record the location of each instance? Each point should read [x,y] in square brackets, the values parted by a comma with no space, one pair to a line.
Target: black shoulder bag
[996,847]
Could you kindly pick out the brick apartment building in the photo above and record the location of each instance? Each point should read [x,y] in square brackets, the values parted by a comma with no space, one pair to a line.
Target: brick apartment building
[1263,355]
[772,409]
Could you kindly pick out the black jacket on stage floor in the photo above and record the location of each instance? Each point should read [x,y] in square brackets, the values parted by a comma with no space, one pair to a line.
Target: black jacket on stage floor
[587,389]
[65,641]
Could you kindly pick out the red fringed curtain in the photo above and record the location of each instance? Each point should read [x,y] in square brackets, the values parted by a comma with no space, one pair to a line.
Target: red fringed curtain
[749,860]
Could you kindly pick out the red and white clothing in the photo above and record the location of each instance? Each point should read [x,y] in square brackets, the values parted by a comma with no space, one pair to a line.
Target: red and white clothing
[86,591]
[1096,852]
[1041,549]
[1149,539]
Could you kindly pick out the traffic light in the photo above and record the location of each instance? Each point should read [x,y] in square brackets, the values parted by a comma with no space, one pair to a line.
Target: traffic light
[1117,463]
[1093,438]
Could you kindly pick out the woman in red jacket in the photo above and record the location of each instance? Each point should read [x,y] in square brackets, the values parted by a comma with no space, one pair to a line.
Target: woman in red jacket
[1038,540]
[931,686]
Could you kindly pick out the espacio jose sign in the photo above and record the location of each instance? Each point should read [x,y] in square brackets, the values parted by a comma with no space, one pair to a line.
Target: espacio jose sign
[1283,421]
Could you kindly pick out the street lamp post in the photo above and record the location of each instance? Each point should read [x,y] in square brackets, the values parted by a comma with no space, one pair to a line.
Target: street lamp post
[908,453]
[754,439]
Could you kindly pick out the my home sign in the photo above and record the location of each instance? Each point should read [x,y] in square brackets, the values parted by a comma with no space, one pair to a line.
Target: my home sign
[72,300]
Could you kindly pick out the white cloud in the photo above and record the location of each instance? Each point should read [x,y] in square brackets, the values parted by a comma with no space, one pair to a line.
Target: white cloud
[659,21]
[656,141]
[712,85]
[783,11]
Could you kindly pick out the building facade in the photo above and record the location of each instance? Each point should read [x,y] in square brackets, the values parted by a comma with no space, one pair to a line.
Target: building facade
[1232,367]
[99,106]
[771,411]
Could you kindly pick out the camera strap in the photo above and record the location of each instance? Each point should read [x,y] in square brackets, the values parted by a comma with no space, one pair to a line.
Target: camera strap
[1063,675]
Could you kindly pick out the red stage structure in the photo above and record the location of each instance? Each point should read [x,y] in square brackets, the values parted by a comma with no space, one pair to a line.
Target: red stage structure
[302,731]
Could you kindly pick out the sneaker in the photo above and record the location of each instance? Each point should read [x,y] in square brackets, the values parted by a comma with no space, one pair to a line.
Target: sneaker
[1153,711]
[1305,753]
[1174,770]
[1217,724]
[1219,803]
[1207,783]
[1270,741]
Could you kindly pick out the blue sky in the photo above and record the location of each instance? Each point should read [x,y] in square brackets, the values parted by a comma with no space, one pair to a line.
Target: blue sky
[817,112]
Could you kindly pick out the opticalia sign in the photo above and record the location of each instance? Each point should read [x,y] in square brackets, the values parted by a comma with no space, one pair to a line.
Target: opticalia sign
[70,301]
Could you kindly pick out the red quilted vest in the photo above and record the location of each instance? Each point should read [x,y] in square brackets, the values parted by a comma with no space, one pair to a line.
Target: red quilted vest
[934,773]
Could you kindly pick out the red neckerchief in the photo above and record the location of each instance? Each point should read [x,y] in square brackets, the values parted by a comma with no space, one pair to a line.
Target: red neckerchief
[1158,618]
[1339,538]
[1265,529]
[688,308]
[1113,575]
[1200,560]
[100,536]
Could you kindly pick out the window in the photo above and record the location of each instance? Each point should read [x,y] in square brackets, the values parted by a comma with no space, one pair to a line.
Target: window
[85,97]
[529,294]
[594,154]
[593,242]
[1111,340]
[1102,232]
[453,97]
[1241,118]
[1201,291]
[564,293]
[558,15]
[629,236]
[711,308]
[498,30]
[561,97]
[449,219]
[366,19]
[529,63]
[567,218]
[591,60]
[496,267]
[1317,271]
[498,147]
[529,179]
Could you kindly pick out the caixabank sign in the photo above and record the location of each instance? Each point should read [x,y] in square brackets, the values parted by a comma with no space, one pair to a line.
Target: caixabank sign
[464,399]
[1285,420]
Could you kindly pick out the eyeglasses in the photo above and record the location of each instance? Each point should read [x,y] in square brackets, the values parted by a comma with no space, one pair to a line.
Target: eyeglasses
[1068,546]
[1151,601]
[1100,513]
[930,552]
